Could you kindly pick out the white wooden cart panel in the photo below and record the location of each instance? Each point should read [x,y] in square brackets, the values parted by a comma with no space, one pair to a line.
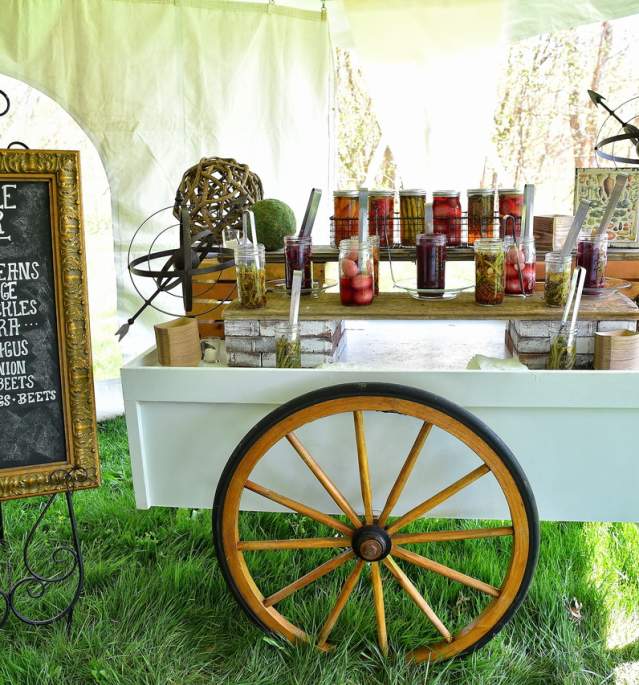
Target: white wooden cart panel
[574,434]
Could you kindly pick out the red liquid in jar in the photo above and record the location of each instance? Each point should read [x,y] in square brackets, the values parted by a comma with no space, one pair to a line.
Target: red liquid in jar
[528,273]
[380,218]
[447,219]
[357,290]
[298,258]
[431,265]
[594,262]
[510,203]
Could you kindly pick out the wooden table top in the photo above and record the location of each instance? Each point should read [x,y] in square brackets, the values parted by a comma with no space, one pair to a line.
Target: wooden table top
[401,306]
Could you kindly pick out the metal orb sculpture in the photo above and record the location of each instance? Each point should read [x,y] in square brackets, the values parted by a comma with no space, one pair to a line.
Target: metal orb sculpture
[215,192]
[162,274]
[626,131]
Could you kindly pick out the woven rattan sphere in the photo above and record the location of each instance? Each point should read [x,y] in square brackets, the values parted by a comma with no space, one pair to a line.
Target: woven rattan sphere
[216,191]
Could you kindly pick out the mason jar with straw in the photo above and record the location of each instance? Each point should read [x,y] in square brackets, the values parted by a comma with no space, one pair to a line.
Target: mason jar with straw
[563,349]
[250,267]
[288,347]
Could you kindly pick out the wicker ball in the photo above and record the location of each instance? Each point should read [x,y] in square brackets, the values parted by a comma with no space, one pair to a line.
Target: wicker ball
[216,191]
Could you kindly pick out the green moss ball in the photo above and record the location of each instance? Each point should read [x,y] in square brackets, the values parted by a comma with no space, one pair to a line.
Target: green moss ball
[274,219]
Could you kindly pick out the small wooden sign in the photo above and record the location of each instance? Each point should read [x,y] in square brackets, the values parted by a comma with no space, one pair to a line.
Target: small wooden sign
[48,438]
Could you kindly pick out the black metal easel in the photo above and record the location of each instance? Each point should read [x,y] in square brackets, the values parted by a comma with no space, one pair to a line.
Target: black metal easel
[68,557]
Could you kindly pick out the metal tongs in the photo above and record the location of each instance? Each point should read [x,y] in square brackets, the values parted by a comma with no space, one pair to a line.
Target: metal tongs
[575,292]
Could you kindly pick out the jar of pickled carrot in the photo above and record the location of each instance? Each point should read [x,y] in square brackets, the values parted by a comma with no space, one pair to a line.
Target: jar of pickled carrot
[345,215]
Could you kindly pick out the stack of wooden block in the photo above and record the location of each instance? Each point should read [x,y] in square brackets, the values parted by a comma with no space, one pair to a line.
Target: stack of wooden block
[530,340]
[251,342]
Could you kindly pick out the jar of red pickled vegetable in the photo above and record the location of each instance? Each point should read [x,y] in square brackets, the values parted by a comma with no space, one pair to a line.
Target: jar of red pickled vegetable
[345,215]
[297,256]
[356,272]
[490,274]
[412,208]
[481,210]
[431,261]
[381,216]
[592,254]
[522,260]
[511,202]
[447,216]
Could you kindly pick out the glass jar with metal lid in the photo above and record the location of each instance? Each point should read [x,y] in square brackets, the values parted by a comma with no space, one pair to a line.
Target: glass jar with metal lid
[447,216]
[511,202]
[381,215]
[412,208]
[345,215]
[481,210]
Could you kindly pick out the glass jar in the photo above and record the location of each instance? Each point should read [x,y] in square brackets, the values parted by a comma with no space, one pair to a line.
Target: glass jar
[356,272]
[288,347]
[251,275]
[297,255]
[447,216]
[490,274]
[557,279]
[481,211]
[412,208]
[511,203]
[431,261]
[345,215]
[563,348]
[592,254]
[524,260]
[374,240]
[381,215]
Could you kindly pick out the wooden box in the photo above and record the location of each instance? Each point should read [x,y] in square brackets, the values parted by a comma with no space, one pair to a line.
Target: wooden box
[178,342]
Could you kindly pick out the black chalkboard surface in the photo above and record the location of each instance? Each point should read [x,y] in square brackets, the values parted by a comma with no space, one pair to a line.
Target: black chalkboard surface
[32,428]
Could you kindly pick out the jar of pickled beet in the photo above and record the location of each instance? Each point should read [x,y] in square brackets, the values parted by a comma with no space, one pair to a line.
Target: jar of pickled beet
[381,216]
[356,272]
[447,216]
[511,203]
[490,274]
[592,254]
[431,261]
[481,211]
[557,279]
[297,257]
[345,215]
[412,208]
[524,260]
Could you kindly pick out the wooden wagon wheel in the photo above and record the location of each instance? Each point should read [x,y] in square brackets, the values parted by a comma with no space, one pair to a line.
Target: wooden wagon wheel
[364,538]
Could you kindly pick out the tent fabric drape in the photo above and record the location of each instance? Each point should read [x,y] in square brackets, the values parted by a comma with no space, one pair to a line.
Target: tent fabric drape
[432,68]
[158,84]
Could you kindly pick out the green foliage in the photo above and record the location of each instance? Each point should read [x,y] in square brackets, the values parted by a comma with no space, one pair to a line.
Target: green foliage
[157,612]
[274,219]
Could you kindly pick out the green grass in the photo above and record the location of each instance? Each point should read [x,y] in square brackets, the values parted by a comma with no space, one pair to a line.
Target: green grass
[156,609]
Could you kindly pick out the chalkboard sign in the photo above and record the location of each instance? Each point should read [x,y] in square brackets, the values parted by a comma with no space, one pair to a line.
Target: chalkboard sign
[47,416]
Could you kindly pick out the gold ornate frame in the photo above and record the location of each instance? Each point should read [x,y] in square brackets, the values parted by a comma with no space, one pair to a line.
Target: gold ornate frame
[61,169]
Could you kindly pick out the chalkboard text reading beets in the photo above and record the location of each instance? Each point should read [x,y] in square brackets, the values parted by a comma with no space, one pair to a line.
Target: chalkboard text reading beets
[17,384]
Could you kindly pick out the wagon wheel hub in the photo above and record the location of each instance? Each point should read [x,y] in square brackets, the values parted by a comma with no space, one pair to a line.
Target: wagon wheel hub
[371,543]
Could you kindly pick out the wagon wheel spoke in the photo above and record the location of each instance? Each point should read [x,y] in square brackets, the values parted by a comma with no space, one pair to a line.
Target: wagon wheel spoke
[298,507]
[345,593]
[294,543]
[448,535]
[328,484]
[309,577]
[405,472]
[415,595]
[380,614]
[445,571]
[437,499]
[362,459]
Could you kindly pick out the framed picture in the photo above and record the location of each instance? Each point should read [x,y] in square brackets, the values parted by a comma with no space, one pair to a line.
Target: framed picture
[48,440]
[596,185]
